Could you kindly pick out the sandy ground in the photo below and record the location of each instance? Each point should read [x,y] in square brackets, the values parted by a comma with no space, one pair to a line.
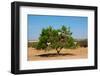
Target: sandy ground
[34,54]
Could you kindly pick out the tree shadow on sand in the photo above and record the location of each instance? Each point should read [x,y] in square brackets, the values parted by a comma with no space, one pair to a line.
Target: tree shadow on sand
[55,55]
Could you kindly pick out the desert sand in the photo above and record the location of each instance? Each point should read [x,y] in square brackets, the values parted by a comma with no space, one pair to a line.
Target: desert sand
[36,55]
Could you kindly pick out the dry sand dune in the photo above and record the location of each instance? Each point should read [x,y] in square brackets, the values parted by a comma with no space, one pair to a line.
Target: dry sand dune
[34,54]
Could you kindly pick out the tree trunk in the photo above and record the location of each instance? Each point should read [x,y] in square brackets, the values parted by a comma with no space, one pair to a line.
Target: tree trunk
[58,52]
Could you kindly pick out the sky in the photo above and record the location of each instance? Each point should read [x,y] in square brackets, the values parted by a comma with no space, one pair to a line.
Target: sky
[78,25]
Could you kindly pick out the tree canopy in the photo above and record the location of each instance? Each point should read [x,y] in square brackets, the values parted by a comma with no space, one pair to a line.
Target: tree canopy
[55,38]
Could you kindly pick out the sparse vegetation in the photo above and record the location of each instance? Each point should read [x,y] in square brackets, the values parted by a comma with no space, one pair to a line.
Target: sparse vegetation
[83,43]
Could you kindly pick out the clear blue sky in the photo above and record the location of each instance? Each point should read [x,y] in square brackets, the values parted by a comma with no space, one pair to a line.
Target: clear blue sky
[78,25]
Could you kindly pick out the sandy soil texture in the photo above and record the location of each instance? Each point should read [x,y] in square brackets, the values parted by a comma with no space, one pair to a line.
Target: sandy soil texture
[34,54]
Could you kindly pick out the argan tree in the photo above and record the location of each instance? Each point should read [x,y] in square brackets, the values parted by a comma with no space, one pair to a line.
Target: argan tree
[55,39]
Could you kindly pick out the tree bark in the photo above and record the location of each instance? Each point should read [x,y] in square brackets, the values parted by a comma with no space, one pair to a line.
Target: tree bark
[58,52]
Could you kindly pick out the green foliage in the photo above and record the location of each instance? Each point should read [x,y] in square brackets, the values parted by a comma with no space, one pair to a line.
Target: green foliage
[55,38]
[70,43]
